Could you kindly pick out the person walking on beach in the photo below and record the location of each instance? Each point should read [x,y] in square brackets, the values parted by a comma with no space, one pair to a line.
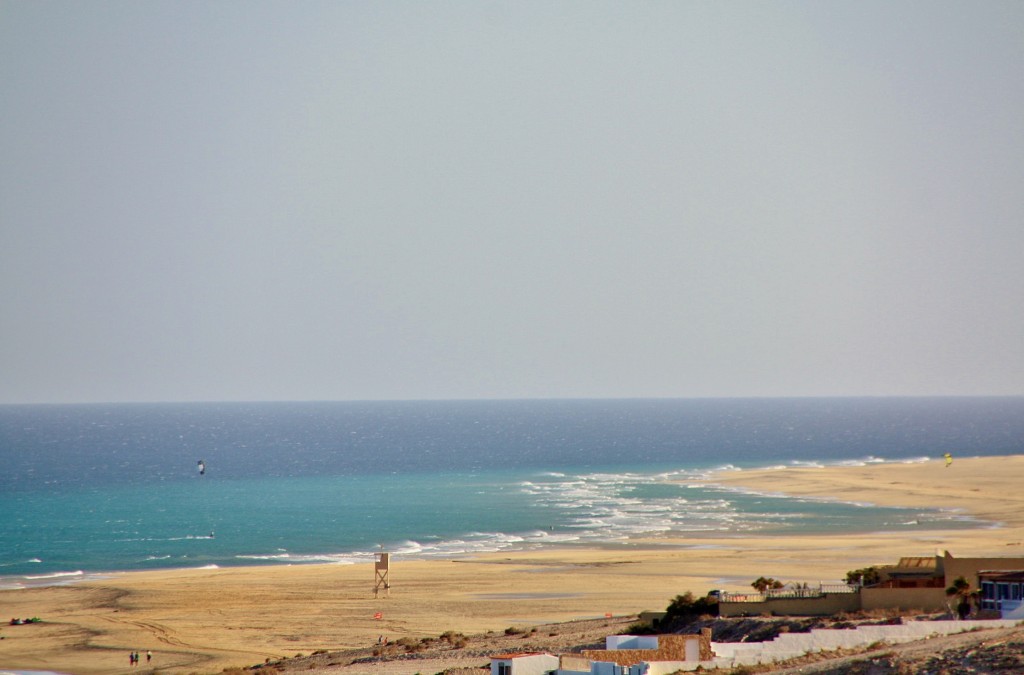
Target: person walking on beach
[149,656]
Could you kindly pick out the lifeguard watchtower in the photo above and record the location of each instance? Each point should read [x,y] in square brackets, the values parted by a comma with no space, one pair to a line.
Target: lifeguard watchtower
[380,574]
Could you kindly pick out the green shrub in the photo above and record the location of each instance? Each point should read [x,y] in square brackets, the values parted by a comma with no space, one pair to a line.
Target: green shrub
[641,628]
[686,607]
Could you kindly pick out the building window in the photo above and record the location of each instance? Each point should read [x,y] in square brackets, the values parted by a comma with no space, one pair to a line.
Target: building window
[988,595]
[504,669]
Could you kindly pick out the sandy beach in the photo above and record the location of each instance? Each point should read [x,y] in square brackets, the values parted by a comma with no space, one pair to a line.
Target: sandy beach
[205,620]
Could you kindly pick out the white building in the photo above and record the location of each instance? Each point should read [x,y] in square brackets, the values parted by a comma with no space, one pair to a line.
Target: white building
[524,663]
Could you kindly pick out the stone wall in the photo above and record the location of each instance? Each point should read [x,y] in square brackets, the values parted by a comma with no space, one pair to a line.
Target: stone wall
[670,648]
[706,653]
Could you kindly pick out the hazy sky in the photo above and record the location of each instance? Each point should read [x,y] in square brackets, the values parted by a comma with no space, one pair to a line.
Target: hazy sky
[403,200]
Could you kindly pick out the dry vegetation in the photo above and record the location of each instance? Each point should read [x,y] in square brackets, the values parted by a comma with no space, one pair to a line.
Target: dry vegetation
[997,651]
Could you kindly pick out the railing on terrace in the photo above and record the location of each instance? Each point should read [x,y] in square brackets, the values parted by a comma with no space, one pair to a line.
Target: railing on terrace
[776,593]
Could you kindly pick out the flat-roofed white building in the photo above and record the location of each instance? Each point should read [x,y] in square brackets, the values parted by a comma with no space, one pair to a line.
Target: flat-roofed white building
[524,663]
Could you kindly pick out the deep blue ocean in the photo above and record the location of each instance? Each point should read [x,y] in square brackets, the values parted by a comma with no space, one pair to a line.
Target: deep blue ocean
[88,489]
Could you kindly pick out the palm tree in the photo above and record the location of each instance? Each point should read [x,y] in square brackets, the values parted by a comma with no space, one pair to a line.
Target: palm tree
[761,584]
[961,591]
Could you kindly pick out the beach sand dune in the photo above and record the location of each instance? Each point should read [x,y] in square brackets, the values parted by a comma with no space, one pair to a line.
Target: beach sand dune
[204,620]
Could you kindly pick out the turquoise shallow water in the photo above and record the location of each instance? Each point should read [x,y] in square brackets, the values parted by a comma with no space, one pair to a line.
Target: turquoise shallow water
[201,522]
[103,488]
